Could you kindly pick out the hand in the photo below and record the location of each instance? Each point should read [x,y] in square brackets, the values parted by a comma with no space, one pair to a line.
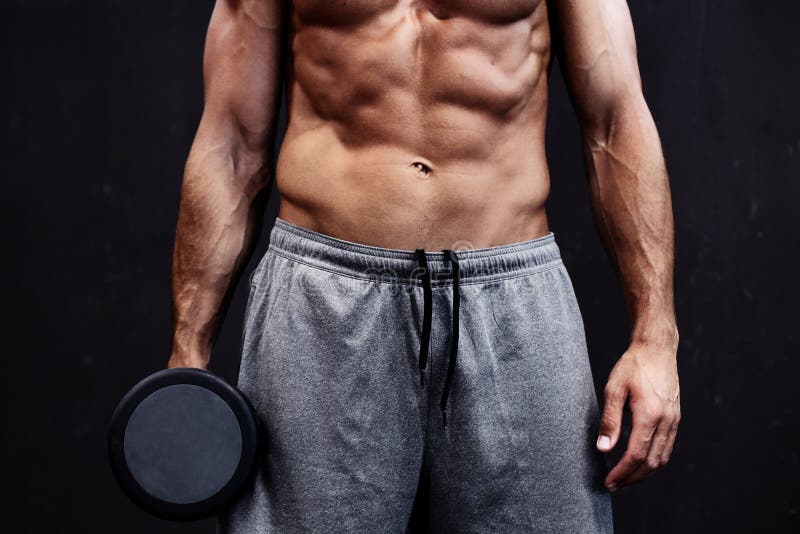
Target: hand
[646,376]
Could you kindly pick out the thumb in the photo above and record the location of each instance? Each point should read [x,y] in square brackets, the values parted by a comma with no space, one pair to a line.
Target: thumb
[611,420]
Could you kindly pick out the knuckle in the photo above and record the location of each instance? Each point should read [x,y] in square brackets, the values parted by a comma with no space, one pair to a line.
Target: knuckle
[637,456]
[653,463]
[656,410]
[611,393]
[608,422]
[653,411]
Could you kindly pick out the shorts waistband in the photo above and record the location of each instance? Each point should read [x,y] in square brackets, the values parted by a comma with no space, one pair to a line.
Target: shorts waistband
[401,266]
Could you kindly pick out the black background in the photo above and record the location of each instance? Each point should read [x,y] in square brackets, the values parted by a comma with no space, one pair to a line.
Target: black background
[99,105]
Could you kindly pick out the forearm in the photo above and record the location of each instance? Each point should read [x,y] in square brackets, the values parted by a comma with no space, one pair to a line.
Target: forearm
[633,210]
[220,213]
[228,170]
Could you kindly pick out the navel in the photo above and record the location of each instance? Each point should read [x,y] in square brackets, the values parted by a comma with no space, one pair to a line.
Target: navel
[421,168]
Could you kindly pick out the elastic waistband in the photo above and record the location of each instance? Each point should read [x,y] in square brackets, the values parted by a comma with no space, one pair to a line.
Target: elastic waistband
[401,266]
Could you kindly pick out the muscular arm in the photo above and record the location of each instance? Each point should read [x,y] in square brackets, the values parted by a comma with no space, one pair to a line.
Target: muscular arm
[632,207]
[228,169]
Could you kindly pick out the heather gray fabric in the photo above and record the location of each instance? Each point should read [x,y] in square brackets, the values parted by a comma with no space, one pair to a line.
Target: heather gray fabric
[355,442]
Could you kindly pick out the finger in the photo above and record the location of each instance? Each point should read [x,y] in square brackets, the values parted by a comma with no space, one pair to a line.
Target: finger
[645,421]
[653,462]
[673,434]
[611,420]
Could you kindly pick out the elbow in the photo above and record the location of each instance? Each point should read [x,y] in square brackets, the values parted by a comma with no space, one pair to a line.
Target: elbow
[236,155]
[249,150]
[601,121]
[251,167]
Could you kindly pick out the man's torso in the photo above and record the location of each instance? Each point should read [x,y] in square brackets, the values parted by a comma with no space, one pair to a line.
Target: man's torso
[417,124]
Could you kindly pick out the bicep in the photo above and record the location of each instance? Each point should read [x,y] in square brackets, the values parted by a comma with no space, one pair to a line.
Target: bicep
[242,66]
[597,52]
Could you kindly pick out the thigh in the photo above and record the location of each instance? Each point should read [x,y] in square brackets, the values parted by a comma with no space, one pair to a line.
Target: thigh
[328,365]
[519,455]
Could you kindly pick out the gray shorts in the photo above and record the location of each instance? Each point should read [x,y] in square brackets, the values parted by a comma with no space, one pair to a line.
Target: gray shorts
[413,392]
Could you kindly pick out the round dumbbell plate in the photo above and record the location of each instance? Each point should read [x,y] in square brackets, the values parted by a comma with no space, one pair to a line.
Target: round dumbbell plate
[182,443]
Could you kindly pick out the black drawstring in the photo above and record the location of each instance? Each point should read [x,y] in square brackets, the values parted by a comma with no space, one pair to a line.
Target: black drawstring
[451,367]
[426,323]
[426,315]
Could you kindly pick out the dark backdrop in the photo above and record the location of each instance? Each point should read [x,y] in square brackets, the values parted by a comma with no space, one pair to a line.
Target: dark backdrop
[99,104]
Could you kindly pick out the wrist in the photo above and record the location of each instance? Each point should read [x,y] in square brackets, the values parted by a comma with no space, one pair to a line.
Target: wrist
[659,333]
[189,351]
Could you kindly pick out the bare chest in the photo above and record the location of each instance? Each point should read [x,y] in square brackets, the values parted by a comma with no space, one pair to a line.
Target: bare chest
[348,12]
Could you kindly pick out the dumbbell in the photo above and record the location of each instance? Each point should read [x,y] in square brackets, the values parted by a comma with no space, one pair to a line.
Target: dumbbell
[183,443]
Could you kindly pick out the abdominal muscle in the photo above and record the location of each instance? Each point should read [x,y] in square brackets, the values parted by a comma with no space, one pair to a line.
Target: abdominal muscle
[417,124]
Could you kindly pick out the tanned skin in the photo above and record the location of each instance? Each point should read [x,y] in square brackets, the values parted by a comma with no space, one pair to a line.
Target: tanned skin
[420,124]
